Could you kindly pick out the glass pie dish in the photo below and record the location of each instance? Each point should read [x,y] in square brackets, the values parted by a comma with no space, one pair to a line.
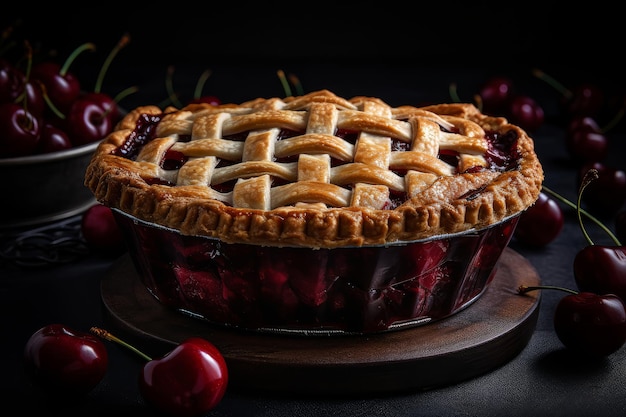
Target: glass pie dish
[315,291]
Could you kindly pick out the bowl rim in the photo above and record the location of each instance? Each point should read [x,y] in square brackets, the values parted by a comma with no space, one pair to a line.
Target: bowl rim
[51,156]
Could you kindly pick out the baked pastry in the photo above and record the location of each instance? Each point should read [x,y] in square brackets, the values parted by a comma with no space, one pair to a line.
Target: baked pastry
[317,172]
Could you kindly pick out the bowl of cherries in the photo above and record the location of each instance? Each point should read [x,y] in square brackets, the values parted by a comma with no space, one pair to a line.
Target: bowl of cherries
[50,125]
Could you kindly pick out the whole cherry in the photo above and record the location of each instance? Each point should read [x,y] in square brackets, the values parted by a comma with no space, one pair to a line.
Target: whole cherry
[188,381]
[11,82]
[65,361]
[541,223]
[88,121]
[591,324]
[587,323]
[52,139]
[599,268]
[101,232]
[19,131]
[62,86]
[496,94]
[526,112]
[606,194]
[585,145]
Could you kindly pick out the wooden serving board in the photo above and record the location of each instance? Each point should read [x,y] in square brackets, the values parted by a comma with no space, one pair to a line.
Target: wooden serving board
[483,336]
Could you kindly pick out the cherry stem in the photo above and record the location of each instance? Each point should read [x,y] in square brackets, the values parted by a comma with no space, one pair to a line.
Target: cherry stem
[110,337]
[49,102]
[105,67]
[590,175]
[583,212]
[523,289]
[454,94]
[70,59]
[169,86]
[125,93]
[284,82]
[200,85]
[553,82]
[295,81]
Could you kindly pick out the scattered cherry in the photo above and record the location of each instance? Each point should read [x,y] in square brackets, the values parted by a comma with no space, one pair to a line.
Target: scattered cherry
[599,268]
[65,361]
[585,99]
[496,94]
[101,232]
[526,112]
[606,195]
[188,381]
[541,223]
[587,323]
[585,145]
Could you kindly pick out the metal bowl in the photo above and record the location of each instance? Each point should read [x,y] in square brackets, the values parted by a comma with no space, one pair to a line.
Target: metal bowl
[44,188]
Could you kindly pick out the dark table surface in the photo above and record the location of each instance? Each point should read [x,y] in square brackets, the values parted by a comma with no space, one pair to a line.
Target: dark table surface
[543,379]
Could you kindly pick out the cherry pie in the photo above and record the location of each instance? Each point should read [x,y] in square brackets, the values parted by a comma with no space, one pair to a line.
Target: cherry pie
[317,170]
[319,187]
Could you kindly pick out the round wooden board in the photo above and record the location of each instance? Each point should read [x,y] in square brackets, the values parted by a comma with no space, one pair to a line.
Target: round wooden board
[485,335]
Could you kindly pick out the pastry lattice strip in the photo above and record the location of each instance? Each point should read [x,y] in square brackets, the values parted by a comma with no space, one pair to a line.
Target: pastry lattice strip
[364,173]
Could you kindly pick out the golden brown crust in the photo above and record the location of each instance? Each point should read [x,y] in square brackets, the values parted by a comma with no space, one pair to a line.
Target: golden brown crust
[440,202]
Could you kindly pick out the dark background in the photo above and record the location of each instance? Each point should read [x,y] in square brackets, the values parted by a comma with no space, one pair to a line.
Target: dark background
[244,43]
[402,52]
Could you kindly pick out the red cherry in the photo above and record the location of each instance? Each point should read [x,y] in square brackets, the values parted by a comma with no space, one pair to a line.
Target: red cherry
[496,94]
[601,269]
[188,381]
[591,324]
[526,113]
[11,82]
[52,139]
[586,323]
[88,121]
[584,124]
[65,361]
[585,145]
[585,99]
[597,268]
[106,102]
[541,223]
[35,102]
[607,193]
[62,86]
[101,232]
[19,131]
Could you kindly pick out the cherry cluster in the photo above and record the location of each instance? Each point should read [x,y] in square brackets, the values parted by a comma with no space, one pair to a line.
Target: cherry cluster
[591,321]
[188,381]
[45,108]
[588,143]
[499,96]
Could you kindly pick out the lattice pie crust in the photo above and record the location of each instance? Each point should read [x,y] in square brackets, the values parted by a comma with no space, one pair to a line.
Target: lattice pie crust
[318,170]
